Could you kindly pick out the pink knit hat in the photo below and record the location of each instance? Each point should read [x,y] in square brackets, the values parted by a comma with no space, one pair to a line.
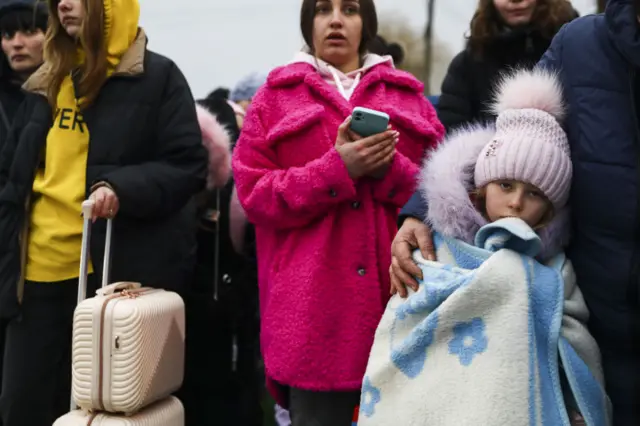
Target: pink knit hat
[529,145]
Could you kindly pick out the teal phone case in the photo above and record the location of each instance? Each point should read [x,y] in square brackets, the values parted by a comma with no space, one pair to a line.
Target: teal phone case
[367,122]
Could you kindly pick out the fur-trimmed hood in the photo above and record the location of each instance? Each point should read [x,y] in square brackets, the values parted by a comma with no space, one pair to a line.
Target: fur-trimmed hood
[447,179]
[218,143]
[448,175]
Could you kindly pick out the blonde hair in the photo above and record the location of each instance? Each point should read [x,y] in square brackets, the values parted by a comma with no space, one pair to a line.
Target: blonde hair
[479,197]
[61,53]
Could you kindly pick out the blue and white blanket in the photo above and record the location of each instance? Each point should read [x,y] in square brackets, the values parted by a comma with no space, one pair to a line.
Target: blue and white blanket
[484,339]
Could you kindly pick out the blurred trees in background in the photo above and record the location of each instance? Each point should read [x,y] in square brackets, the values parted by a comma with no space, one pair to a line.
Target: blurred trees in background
[394,29]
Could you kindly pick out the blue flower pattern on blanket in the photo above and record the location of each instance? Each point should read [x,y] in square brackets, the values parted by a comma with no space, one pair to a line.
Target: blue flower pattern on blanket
[410,354]
[429,343]
[369,399]
[469,340]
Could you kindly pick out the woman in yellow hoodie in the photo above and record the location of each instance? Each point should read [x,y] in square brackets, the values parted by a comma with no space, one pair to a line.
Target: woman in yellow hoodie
[108,119]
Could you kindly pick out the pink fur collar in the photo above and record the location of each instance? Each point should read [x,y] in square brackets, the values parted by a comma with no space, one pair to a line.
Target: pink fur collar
[218,142]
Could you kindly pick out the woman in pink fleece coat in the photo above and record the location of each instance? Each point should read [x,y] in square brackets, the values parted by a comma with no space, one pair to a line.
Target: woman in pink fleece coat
[325,204]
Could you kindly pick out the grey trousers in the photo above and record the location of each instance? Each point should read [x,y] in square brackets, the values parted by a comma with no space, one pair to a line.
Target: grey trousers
[308,408]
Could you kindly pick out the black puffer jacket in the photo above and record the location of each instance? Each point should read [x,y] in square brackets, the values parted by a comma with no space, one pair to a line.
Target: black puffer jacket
[146,143]
[468,85]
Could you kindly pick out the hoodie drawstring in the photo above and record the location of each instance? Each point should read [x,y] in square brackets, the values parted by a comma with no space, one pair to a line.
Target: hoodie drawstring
[340,86]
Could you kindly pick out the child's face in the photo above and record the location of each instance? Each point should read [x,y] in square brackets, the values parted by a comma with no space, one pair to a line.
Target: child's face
[510,198]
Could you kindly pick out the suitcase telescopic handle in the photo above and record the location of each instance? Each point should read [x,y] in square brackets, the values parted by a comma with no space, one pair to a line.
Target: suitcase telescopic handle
[87,213]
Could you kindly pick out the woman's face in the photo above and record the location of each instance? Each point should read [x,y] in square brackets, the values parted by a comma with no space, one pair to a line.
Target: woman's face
[337,31]
[516,13]
[71,14]
[23,50]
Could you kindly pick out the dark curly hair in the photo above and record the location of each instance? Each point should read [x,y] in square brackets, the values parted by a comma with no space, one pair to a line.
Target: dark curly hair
[547,19]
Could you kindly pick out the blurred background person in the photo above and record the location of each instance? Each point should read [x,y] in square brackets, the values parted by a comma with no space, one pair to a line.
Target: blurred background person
[503,34]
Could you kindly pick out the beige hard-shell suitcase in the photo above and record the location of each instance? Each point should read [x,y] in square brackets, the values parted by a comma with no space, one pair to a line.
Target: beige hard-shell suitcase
[128,341]
[167,412]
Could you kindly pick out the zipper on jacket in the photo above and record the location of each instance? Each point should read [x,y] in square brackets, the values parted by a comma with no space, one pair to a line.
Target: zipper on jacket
[633,294]
[23,238]
[23,247]
[528,44]
[76,87]
[216,260]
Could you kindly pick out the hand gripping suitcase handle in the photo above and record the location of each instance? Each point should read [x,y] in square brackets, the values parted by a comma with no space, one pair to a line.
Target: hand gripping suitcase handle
[87,212]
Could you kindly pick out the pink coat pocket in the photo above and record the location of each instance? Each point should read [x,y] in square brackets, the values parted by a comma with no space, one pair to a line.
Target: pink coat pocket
[300,137]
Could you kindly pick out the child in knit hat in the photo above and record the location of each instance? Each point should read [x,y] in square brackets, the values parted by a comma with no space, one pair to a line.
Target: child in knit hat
[521,167]
[475,183]
[525,170]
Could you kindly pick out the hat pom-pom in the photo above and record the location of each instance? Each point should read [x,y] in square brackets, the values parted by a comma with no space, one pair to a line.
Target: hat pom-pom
[529,89]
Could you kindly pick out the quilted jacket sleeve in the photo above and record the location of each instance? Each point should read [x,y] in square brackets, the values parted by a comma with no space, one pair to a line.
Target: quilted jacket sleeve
[165,183]
[552,58]
[416,207]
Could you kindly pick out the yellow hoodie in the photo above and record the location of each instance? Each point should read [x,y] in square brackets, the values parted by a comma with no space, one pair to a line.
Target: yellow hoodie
[55,233]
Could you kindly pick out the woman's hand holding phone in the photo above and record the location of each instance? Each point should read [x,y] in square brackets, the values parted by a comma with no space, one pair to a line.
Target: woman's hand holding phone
[368,156]
[379,172]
